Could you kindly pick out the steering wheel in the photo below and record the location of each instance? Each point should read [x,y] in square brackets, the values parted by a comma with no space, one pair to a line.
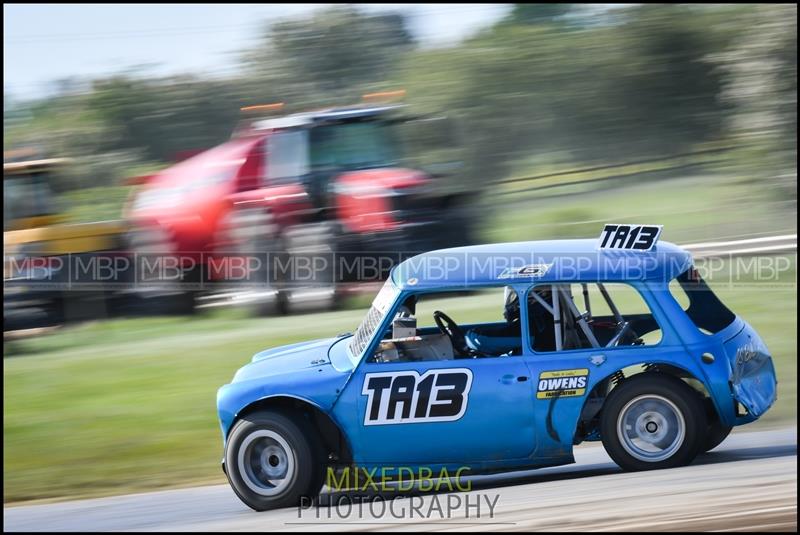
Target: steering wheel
[452,330]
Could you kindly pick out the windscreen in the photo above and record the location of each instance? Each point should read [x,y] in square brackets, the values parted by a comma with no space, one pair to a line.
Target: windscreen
[380,305]
[352,145]
[25,196]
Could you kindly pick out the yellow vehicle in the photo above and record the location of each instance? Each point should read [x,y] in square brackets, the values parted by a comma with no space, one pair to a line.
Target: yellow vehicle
[50,268]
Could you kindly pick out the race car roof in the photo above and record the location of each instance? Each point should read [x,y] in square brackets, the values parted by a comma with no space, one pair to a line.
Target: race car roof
[539,261]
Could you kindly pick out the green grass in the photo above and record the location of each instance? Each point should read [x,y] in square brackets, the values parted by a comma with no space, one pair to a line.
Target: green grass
[691,209]
[551,174]
[130,404]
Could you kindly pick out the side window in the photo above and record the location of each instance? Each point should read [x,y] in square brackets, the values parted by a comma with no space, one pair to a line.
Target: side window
[592,315]
[286,157]
[702,306]
[445,326]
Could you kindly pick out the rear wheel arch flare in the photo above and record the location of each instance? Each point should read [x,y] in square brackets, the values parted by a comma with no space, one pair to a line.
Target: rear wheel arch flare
[665,368]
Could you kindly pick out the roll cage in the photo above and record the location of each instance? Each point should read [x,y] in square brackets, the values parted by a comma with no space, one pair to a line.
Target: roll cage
[566,314]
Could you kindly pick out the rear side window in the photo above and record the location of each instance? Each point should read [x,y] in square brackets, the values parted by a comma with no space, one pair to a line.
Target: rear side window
[590,315]
[702,306]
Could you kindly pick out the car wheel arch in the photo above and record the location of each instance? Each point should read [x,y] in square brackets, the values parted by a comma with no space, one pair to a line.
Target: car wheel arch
[336,443]
[589,414]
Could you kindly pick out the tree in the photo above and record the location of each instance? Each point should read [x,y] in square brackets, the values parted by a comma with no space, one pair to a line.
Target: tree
[538,13]
[330,56]
[661,93]
[165,117]
[642,86]
[65,126]
[761,84]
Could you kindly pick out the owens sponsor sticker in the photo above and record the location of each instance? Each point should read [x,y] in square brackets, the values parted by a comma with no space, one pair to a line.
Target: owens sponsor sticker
[562,383]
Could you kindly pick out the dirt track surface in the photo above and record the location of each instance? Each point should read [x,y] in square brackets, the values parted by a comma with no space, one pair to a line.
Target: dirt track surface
[748,483]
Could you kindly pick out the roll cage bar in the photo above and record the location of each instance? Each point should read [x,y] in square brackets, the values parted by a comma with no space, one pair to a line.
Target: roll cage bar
[557,291]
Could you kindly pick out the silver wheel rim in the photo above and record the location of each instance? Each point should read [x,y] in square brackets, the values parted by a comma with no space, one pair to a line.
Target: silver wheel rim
[266,462]
[651,428]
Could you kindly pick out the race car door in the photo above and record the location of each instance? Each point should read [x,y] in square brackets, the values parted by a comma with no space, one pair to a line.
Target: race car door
[463,410]
[569,351]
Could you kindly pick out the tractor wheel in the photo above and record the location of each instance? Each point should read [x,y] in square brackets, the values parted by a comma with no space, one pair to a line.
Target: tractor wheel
[311,282]
[156,296]
[253,234]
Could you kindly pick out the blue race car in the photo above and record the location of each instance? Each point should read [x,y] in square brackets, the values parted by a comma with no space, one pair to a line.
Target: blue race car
[617,339]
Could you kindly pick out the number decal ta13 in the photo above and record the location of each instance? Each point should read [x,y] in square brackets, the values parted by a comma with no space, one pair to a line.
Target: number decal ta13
[406,397]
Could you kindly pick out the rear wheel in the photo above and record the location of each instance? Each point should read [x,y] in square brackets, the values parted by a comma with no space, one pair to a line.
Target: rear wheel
[653,421]
[717,432]
[273,461]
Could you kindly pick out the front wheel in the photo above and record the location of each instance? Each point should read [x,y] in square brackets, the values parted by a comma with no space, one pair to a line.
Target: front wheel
[273,461]
[653,421]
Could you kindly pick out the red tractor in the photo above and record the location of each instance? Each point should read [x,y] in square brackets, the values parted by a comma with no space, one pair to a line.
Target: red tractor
[324,189]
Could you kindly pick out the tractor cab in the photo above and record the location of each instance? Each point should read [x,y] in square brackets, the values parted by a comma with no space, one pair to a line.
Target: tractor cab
[27,197]
[315,148]
[40,249]
[371,168]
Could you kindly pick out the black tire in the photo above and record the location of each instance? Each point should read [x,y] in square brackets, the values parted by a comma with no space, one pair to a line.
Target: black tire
[306,454]
[80,306]
[185,302]
[664,402]
[716,433]
[159,296]
[254,232]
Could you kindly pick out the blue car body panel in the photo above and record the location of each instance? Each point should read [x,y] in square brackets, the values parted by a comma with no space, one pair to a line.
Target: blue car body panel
[300,371]
[753,373]
[504,424]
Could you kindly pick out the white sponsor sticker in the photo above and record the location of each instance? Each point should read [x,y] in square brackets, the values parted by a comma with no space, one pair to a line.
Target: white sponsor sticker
[629,237]
[531,270]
